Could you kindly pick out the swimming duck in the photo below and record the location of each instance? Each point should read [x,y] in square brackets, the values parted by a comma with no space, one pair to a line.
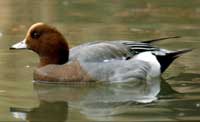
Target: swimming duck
[113,61]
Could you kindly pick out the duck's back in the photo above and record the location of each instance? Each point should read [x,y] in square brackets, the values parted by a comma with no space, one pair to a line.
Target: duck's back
[99,52]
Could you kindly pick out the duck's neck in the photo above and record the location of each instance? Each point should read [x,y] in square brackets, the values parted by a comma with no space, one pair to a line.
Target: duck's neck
[58,59]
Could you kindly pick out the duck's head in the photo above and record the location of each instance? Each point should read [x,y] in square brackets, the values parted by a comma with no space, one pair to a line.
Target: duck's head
[47,42]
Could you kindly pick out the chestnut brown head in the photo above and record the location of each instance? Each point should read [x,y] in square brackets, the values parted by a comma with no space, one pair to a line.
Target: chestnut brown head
[47,42]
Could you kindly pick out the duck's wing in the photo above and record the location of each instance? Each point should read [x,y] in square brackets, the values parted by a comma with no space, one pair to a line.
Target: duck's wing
[120,49]
[138,47]
[104,51]
[109,50]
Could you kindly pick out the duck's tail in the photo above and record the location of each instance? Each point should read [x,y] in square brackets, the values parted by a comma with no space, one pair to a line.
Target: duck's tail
[166,60]
[159,39]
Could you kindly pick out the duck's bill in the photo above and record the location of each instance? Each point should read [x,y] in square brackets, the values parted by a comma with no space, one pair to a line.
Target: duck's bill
[19,45]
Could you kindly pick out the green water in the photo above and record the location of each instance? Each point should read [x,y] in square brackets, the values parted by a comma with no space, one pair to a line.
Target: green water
[88,20]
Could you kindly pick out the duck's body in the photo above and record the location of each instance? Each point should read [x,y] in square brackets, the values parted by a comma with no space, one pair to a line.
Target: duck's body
[102,61]
[114,61]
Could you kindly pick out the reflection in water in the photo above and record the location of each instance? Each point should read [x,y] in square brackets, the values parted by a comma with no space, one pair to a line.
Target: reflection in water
[166,90]
[45,112]
[54,102]
[186,77]
[116,99]
[92,100]
[123,92]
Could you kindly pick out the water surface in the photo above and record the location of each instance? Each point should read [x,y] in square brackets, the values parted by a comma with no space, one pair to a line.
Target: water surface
[88,20]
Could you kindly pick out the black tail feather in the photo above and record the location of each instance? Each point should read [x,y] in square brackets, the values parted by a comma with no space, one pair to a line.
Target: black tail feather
[166,60]
[178,53]
[159,39]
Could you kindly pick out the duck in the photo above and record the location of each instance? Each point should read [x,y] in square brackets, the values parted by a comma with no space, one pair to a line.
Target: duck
[104,61]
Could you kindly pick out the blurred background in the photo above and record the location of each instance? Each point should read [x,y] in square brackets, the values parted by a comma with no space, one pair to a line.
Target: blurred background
[89,20]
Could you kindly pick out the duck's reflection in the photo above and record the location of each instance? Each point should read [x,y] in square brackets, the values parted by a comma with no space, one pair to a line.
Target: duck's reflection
[54,101]
[46,111]
[91,100]
[117,99]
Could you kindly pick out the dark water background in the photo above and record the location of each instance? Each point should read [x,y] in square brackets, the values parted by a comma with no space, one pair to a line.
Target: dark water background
[88,20]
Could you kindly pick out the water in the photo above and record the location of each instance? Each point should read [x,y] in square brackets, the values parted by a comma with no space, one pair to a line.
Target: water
[87,20]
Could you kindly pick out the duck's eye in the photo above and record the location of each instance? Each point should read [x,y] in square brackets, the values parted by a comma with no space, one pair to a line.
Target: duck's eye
[35,34]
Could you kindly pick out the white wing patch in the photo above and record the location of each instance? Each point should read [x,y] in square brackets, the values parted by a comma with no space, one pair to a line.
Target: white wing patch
[152,60]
